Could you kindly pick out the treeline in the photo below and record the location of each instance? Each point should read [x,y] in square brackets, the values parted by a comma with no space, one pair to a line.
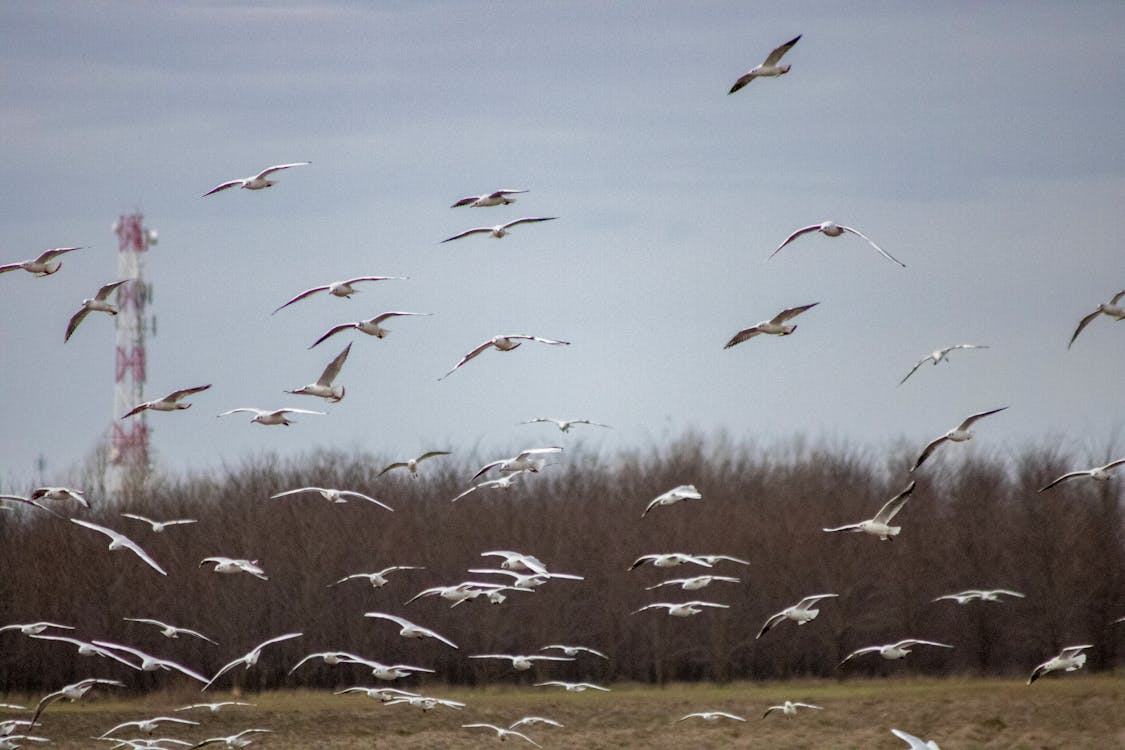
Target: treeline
[972,523]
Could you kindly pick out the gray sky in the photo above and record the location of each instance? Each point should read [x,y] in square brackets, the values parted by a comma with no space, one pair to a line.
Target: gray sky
[982,144]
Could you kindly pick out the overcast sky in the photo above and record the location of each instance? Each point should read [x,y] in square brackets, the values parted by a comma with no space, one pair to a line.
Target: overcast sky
[980,143]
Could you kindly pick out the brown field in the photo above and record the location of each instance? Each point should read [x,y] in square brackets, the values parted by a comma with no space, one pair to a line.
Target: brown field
[1066,712]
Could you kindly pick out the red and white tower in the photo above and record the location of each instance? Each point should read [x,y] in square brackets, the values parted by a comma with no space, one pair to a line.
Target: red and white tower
[128,450]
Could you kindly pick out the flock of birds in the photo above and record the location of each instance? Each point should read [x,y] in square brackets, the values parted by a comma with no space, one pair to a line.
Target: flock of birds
[522,572]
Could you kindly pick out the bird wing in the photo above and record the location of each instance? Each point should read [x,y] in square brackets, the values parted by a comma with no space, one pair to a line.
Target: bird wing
[914,369]
[467,357]
[808,601]
[979,415]
[277,167]
[930,448]
[743,335]
[529,220]
[467,232]
[1063,478]
[894,505]
[107,289]
[1082,324]
[1071,651]
[75,321]
[742,81]
[294,492]
[136,549]
[914,742]
[47,255]
[393,314]
[395,465]
[402,622]
[770,622]
[223,186]
[297,411]
[795,235]
[333,331]
[177,395]
[486,467]
[777,54]
[431,454]
[858,652]
[882,252]
[333,368]
[466,200]
[791,312]
[542,340]
[529,452]
[242,409]
[302,295]
[849,527]
[908,642]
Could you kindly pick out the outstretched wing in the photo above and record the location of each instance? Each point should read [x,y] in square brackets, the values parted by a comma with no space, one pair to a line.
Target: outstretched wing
[795,235]
[301,296]
[882,252]
[776,55]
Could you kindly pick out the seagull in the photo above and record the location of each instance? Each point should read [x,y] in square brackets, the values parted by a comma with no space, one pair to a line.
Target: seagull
[501,732]
[695,583]
[495,198]
[150,663]
[35,628]
[87,649]
[958,434]
[521,662]
[411,465]
[323,387]
[1112,309]
[465,591]
[379,579]
[832,229]
[531,720]
[503,483]
[789,708]
[504,344]
[1070,659]
[60,493]
[880,525]
[525,460]
[682,493]
[257,182]
[232,565]
[573,650]
[384,694]
[499,230]
[333,495]
[343,289]
[97,303]
[1100,473]
[43,264]
[171,402]
[73,692]
[668,560]
[148,726]
[776,326]
[939,355]
[564,425]
[992,595]
[914,742]
[527,580]
[391,672]
[120,541]
[370,326]
[409,629]
[425,702]
[213,707]
[159,526]
[711,716]
[800,613]
[266,417]
[683,609]
[331,658]
[242,739]
[251,657]
[572,687]
[895,650]
[28,501]
[769,68]
[518,561]
[170,631]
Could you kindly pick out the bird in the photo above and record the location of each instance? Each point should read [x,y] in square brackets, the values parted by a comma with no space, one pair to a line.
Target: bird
[1099,473]
[1110,309]
[775,326]
[939,355]
[411,465]
[232,565]
[120,541]
[60,493]
[267,417]
[425,702]
[323,387]
[1069,659]
[914,742]
[682,609]
[521,662]
[213,707]
[332,658]
[991,595]
[879,526]
[495,198]
[251,657]
[98,303]
[572,687]
[28,501]
[503,483]
[504,343]
[573,650]
[768,69]
[801,613]
[694,583]
[35,628]
[159,526]
[527,580]
[532,720]
[711,716]
[333,495]
[518,561]
[383,694]
[87,649]
[682,493]
[371,326]
[409,629]
[73,692]
[257,182]
[148,726]
[171,402]
[390,671]
[526,460]
[44,264]
[170,631]
[150,663]
[564,425]
[344,289]
[500,230]
[895,650]
[668,560]
[465,591]
[501,732]
[378,579]
[789,708]
[958,434]
[242,739]
[832,229]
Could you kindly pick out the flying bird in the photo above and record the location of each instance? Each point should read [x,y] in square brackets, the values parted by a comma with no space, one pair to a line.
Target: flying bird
[1099,473]
[370,326]
[213,707]
[267,417]
[958,434]
[939,355]
[501,732]
[171,402]
[87,649]
[789,708]
[242,739]
[60,493]
[526,460]
[332,658]
[28,501]
[323,387]
[521,662]
[495,198]
[914,742]
[895,650]
[170,631]
[681,609]
[669,560]
[343,289]
[564,425]
[35,628]
[379,579]
[409,629]
[390,671]
[120,541]
[573,650]
[518,561]
[148,726]
[711,716]
[231,565]
[72,692]
[991,595]
[1110,309]
[503,483]
[504,344]
[251,657]
[879,526]
[832,229]
[1069,659]
[411,465]
[572,687]
[44,264]
[499,230]
[333,495]
[775,326]
[768,69]
[159,526]
[694,583]
[98,303]
[801,613]
[532,720]
[683,493]
[150,663]
[257,182]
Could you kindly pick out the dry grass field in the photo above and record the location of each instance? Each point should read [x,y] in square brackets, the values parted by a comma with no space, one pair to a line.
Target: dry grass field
[1065,712]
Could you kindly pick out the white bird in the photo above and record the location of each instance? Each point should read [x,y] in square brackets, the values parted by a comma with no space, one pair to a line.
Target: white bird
[503,344]
[789,708]
[525,460]
[499,230]
[532,720]
[233,565]
[521,662]
[267,417]
[518,561]
[391,671]
[148,726]
[377,579]
[991,595]
[371,326]
[711,716]
[832,229]
[694,583]
[669,560]
[775,326]
[333,495]
[409,629]
[495,198]
[503,483]
[170,631]
[683,609]
[87,649]
[879,526]
[150,663]
[120,541]
[257,182]
[35,628]
[331,658]
[72,692]
[501,732]
[251,657]
[343,289]
[679,494]
[44,264]
[213,707]
[1099,473]
[466,591]
[171,402]
[323,387]
[242,739]
[383,694]
[1110,309]
[895,650]
[801,613]
[564,425]
[914,742]
[1069,659]
[573,650]
[98,303]
[768,69]
[572,687]
[527,580]
[425,702]
[939,355]
[958,434]
[159,526]
[60,493]
[411,465]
